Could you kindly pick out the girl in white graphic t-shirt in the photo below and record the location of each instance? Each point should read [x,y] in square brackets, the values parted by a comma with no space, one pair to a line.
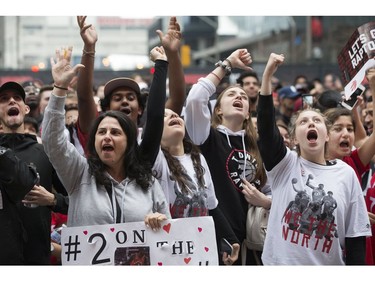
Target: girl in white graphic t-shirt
[326,230]
[186,180]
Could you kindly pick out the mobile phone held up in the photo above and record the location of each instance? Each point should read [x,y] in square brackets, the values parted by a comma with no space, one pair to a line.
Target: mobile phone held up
[352,101]
[307,100]
[225,246]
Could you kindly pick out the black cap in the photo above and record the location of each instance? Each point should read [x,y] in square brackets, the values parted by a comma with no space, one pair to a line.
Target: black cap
[13,86]
[328,99]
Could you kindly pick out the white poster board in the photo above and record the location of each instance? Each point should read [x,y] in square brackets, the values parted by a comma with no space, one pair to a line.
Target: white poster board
[187,241]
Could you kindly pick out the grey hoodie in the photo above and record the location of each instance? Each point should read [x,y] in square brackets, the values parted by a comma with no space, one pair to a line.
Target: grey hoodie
[89,202]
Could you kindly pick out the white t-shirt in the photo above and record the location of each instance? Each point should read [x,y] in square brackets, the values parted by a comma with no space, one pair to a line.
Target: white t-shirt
[314,207]
[77,143]
[198,201]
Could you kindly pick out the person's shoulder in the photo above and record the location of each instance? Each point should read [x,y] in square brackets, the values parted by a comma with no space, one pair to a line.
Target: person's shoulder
[155,185]
[338,163]
[33,141]
[343,165]
[36,148]
[25,141]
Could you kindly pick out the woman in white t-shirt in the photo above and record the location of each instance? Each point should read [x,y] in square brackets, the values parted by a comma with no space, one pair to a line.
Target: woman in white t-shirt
[318,214]
[186,181]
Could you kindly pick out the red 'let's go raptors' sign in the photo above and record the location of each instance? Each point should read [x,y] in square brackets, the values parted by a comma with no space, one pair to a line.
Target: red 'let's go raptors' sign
[357,56]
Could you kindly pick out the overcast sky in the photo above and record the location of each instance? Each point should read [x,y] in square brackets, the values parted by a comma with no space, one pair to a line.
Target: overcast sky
[151,8]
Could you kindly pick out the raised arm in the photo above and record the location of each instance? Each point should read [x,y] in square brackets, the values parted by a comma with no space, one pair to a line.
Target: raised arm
[271,144]
[360,135]
[62,71]
[171,43]
[367,150]
[274,61]
[197,114]
[63,155]
[153,130]
[240,59]
[87,111]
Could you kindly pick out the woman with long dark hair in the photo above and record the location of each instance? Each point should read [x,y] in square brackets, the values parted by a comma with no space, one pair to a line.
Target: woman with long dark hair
[114,184]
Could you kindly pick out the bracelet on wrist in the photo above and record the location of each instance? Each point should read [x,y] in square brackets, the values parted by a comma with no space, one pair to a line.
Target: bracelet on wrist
[214,74]
[61,88]
[230,64]
[226,67]
[86,53]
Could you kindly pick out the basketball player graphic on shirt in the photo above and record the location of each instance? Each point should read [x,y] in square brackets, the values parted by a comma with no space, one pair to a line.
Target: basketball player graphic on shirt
[192,203]
[327,219]
[295,208]
[309,215]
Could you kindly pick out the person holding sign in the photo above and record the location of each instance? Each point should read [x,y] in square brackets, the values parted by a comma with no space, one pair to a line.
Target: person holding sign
[343,134]
[114,184]
[186,180]
[180,168]
[325,195]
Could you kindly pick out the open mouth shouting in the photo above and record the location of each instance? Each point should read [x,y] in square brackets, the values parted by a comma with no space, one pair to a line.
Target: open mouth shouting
[126,110]
[174,122]
[13,111]
[238,104]
[345,145]
[312,136]
[107,148]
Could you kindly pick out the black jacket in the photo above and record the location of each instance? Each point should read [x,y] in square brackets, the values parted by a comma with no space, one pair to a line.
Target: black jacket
[36,221]
[16,180]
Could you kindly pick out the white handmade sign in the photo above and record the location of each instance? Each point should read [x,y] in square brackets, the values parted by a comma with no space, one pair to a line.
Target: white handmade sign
[187,241]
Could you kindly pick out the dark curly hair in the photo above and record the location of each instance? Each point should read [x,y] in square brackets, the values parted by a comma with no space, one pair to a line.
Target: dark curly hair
[135,167]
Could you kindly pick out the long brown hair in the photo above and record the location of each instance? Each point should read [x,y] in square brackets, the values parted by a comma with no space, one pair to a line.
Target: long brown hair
[251,136]
[177,170]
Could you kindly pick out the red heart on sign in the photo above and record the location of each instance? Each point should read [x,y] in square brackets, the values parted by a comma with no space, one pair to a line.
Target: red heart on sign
[112,229]
[167,227]
[85,232]
[199,229]
[206,249]
[160,263]
[187,260]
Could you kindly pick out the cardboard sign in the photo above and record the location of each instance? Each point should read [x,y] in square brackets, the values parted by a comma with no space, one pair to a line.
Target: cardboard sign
[356,57]
[187,241]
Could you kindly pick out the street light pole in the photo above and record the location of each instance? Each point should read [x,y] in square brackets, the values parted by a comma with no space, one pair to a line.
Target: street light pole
[308,38]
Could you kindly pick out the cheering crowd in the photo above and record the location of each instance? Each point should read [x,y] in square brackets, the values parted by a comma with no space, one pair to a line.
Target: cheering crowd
[71,156]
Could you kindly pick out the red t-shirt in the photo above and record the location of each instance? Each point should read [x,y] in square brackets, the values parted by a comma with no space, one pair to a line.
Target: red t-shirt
[354,161]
